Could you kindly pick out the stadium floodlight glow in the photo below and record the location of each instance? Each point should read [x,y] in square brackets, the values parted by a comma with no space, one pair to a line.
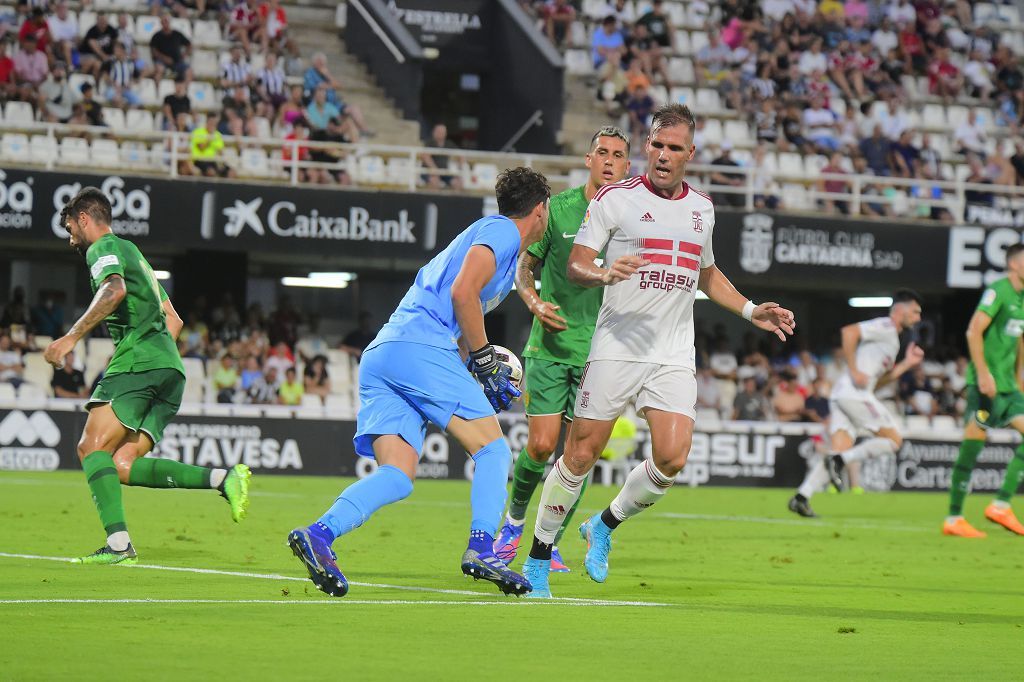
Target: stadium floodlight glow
[320,280]
[870,302]
[162,274]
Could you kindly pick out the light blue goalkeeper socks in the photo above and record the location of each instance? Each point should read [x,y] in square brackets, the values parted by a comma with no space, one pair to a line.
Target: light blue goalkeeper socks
[490,482]
[360,500]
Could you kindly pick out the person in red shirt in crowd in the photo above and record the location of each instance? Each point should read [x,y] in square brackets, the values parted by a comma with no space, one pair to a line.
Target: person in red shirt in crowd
[37,26]
[558,17]
[834,185]
[300,131]
[7,85]
[274,27]
[944,79]
[912,48]
[244,25]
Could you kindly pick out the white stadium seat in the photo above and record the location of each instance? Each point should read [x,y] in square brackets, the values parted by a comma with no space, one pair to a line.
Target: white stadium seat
[205,64]
[738,132]
[105,153]
[254,162]
[183,25]
[680,70]
[74,151]
[19,114]
[15,147]
[8,395]
[678,95]
[135,155]
[148,93]
[203,96]
[145,27]
[207,34]
[370,169]
[139,120]
[708,100]
[114,117]
[484,175]
[401,171]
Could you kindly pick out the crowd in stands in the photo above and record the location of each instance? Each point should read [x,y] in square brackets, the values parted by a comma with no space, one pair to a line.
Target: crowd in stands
[76,74]
[249,358]
[839,82]
[277,358]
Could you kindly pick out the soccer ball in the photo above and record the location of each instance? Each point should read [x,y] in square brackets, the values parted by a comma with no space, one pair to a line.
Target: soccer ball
[509,358]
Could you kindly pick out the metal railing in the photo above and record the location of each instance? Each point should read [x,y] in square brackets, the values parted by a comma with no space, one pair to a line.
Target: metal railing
[470,171]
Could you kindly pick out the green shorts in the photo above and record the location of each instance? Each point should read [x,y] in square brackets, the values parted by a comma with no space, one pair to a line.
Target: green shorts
[142,401]
[995,412]
[550,387]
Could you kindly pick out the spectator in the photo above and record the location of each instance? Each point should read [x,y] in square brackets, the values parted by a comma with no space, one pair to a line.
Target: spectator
[766,122]
[207,143]
[876,150]
[236,71]
[67,381]
[977,176]
[356,341]
[12,369]
[236,108]
[177,108]
[226,380]
[727,179]
[894,120]
[816,406]
[63,33]
[30,69]
[558,17]
[318,73]
[251,373]
[787,402]
[607,44]
[320,111]
[793,131]
[713,61]
[270,82]
[639,107]
[822,127]
[120,77]
[646,50]
[48,317]
[315,379]
[301,152]
[8,84]
[274,34]
[750,404]
[280,357]
[969,137]
[171,50]
[914,392]
[813,59]
[707,390]
[56,96]
[901,12]
[905,156]
[264,388]
[291,390]
[37,26]
[195,334]
[92,109]
[440,162]
[244,24]
[979,74]
[762,181]
[834,185]
[944,79]
[931,160]
[98,46]
[723,368]
[659,26]
[884,37]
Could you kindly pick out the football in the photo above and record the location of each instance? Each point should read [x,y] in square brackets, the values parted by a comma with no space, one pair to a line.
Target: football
[509,358]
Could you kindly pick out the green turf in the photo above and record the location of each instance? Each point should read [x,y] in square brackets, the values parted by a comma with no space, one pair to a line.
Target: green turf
[871,590]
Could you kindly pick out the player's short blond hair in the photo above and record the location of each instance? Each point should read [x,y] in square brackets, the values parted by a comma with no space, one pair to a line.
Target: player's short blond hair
[609,131]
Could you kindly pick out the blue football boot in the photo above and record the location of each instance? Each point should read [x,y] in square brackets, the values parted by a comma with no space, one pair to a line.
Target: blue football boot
[320,560]
[598,537]
[537,571]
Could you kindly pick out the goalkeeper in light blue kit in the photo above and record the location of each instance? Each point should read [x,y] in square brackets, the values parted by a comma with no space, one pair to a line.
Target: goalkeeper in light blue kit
[412,374]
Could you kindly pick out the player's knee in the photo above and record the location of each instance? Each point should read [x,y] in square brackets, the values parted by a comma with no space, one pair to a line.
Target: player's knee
[123,460]
[541,446]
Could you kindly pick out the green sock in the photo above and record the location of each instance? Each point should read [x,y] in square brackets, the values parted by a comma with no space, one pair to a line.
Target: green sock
[568,517]
[969,451]
[526,475]
[1014,475]
[101,474]
[151,472]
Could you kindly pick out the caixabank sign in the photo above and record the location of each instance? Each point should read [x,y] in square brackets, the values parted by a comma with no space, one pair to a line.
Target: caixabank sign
[41,440]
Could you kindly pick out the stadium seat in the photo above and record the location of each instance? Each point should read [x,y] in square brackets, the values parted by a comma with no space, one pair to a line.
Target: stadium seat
[254,162]
[194,368]
[578,176]
[86,20]
[8,395]
[340,374]
[203,96]
[105,153]
[698,39]
[15,147]
[37,370]
[401,171]
[678,95]
[918,422]
[484,175]
[205,64]
[578,34]
[578,62]
[659,93]
[104,5]
[708,100]
[338,405]
[31,395]
[594,9]
[955,115]
[683,45]
[74,151]
[164,87]
[76,80]
[794,196]
[985,12]
[148,93]
[114,117]
[676,12]
[738,132]
[770,163]
[680,70]
[713,131]
[19,114]
[207,34]
[139,121]
[341,15]
[135,155]
[370,170]
[944,422]
[838,106]
[933,116]
[181,24]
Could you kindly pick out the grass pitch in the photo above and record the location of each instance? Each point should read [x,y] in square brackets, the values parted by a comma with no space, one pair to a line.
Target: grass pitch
[710,583]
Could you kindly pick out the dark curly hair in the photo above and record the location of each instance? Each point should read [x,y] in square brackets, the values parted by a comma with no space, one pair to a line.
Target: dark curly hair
[90,200]
[518,190]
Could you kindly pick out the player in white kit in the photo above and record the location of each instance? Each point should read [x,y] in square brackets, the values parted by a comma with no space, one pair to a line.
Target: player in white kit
[870,349]
[656,232]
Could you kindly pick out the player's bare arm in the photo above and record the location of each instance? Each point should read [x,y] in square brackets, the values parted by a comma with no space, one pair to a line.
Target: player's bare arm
[850,335]
[976,349]
[174,321]
[476,271]
[544,311]
[769,316]
[108,296]
[911,359]
[582,269]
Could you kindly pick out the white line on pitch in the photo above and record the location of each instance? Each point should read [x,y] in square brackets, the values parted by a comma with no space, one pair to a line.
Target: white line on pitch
[275,576]
[819,523]
[339,602]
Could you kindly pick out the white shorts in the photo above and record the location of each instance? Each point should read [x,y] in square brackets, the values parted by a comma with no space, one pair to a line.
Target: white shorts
[607,386]
[856,414]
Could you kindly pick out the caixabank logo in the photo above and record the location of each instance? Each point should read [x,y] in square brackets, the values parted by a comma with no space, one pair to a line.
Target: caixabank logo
[28,442]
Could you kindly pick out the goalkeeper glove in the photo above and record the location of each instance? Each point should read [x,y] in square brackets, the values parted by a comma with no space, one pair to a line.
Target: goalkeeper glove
[494,376]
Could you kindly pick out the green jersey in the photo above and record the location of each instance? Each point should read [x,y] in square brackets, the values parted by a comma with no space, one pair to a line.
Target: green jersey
[1005,306]
[579,305]
[138,326]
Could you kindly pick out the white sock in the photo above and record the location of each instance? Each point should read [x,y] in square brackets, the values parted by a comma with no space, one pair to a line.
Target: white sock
[872,447]
[999,504]
[953,519]
[644,486]
[217,477]
[561,490]
[118,541]
[815,479]
[514,522]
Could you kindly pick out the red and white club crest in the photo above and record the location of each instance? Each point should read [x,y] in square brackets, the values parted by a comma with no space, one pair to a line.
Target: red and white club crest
[698,222]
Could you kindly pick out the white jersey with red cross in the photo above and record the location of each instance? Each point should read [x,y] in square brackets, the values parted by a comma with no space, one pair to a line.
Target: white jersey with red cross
[649,317]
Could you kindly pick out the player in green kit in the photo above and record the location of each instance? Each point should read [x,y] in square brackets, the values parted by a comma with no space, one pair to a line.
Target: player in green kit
[995,397]
[564,317]
[142,388]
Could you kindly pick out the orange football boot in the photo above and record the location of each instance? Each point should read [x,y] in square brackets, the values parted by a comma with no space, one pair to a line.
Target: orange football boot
[1004,517]
[961,528]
